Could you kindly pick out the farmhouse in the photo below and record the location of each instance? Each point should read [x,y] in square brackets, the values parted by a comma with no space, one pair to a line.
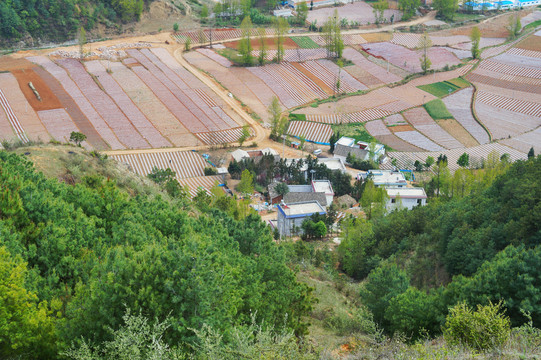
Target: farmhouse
[239,154]
[360,149]
[385,178]
[400,198]
[319,190]
[330,163]
[291,216]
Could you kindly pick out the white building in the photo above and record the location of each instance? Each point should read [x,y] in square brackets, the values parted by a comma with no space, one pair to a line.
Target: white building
[499,5]
[385,178]
[324,186]
[330,163]
[400,198]
[291,216]
[360,149]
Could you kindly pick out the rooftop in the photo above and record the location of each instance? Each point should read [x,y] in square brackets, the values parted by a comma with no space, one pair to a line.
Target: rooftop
[346,141]
[296,197]
[301,208]
[323,186]
[407,193]
[381,177]
[333,163]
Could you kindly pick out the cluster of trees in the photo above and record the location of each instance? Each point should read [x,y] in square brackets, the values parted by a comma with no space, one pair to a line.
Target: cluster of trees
[73,258]
[474,244]
[60,19]
[446,8]
[265,170]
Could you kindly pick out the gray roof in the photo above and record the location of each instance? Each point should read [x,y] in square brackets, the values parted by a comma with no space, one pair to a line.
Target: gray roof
[293,197]
[342,150]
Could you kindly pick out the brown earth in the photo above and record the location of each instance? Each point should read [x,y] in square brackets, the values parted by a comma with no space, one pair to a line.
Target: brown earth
[363,76]
[532,42]
[377,37]
[48,99]
[396,143]
[314,78]
[67,102]
[400,128]
[456,130]
[8,63]
[494,27]
[269,42]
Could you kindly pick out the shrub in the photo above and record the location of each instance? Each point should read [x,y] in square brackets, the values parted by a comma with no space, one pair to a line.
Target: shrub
[210,171]
[484,329]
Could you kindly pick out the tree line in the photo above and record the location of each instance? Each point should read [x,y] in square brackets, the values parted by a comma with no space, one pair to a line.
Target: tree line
[59,20]
[476,242]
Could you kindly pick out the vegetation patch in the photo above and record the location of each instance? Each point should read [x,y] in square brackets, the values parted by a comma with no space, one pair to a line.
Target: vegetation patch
[439,89]
[305,42]
[298,117]
[356,131]
[459,82]
[532,25]
[437,109]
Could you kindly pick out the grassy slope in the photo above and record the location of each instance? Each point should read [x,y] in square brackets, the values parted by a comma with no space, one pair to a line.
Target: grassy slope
[70,164]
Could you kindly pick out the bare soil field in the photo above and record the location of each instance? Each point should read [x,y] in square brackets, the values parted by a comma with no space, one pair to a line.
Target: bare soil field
[530,43]
[48,99]
[400,128]
[358,11]
[458,132]
[494,27]
[270,44]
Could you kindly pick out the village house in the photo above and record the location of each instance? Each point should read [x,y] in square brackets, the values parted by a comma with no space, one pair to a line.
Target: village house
[292,215]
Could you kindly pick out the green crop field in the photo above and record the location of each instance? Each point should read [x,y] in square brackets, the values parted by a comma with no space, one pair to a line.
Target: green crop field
[439,89]
[305,42]
[458,82]
[437,110]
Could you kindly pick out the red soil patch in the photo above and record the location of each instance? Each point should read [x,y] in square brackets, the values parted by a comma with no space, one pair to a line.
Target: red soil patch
[400,128]
[269,42]
[67,102]
[48,99]
[314,78]
[530,43]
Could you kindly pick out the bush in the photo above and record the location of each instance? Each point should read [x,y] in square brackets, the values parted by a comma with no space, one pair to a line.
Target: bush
[484,329]
[210,171]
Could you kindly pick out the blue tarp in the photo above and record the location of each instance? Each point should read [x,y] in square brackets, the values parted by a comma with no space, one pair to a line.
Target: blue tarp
[314,142]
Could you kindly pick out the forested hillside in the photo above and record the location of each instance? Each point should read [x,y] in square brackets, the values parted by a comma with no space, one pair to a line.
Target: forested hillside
[57,20]
[91,270]
[74,258]
[479,248]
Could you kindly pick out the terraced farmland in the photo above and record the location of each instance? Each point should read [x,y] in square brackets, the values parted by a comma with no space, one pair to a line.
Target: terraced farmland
[147,100]
[313,132]
[188,165]
[405,160]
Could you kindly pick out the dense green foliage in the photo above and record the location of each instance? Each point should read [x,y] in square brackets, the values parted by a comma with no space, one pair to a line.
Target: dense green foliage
[437,110]
[91,251]
[478,242]
[60,19]
[483,329]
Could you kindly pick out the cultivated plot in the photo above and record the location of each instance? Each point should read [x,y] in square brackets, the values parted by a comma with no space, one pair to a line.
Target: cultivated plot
[422,121]
[311,131]
[19,111]
[459,105]
[477,154]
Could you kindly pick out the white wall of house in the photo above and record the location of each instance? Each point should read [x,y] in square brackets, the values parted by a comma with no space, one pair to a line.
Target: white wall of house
[403,203]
